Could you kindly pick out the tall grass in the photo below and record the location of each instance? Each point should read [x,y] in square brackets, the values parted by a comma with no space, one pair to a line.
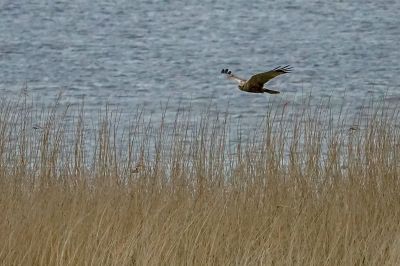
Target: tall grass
[310,185]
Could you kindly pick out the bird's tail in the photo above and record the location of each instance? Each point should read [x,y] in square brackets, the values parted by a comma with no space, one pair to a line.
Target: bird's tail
[270,91]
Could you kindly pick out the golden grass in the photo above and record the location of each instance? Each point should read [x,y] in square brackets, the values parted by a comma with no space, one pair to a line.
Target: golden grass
[301,189]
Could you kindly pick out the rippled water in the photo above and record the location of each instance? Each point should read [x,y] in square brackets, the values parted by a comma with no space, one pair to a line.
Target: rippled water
[131,53]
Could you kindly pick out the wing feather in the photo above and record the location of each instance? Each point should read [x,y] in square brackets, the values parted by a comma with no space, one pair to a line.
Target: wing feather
[231,76]
[262,78]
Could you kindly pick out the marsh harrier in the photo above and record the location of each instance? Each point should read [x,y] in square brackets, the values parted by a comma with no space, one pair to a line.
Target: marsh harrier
[256,82]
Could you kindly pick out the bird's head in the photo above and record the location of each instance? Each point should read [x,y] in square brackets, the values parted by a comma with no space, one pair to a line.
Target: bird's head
[241,84]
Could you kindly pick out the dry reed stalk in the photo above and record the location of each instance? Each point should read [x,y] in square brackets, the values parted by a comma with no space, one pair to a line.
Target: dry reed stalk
[297,190]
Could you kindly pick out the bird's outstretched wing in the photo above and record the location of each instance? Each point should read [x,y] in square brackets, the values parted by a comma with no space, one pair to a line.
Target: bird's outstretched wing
[230,76]
[261,78]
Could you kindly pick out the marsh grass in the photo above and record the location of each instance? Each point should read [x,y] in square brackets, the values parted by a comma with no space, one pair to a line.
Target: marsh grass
[310,185]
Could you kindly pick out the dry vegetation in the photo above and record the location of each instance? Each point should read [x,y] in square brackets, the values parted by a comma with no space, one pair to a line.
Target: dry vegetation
[301,189]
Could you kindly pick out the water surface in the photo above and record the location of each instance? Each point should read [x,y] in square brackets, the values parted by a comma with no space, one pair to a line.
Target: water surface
[135,53]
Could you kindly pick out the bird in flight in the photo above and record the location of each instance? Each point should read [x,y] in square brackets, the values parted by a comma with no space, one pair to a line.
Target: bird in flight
[256,82]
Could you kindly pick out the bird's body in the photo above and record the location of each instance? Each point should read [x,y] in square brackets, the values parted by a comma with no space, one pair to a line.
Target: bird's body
[256,82]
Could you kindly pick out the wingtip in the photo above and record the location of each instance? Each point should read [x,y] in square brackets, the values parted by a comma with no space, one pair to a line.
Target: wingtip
[288,68]
[284,69]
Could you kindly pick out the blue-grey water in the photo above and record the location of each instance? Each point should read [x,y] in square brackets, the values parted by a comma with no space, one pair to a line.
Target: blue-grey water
[148,53]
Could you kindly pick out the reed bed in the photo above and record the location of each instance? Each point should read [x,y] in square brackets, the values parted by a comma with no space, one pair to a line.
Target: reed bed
[310,185]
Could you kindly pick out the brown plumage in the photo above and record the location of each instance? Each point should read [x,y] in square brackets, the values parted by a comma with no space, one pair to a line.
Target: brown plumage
[256,82]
